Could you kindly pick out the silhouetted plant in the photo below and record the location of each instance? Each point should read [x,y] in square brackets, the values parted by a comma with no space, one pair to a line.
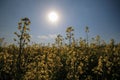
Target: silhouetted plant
[1,41]
[70,34]
[59,40]
[87,31]
[98,40]
[23,39]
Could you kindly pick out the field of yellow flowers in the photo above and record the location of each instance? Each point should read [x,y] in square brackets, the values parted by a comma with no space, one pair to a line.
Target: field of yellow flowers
[78,60]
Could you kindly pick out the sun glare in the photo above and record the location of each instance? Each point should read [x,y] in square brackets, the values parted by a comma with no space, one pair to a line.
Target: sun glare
[53,17]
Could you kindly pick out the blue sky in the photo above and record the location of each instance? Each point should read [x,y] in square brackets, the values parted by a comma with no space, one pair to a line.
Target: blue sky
[101,16]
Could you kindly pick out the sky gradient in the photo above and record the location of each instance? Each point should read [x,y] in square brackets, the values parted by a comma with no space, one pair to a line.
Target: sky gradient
[101,16]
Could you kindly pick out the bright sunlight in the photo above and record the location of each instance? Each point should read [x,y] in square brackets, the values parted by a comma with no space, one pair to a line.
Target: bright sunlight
[53,17]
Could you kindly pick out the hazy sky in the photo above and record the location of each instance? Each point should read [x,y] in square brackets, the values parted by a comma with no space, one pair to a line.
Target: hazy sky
[101,16]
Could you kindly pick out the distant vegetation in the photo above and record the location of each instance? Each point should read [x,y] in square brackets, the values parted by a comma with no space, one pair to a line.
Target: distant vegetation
[76,60]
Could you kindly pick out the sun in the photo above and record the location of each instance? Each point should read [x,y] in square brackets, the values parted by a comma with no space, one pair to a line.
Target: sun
[53,17]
